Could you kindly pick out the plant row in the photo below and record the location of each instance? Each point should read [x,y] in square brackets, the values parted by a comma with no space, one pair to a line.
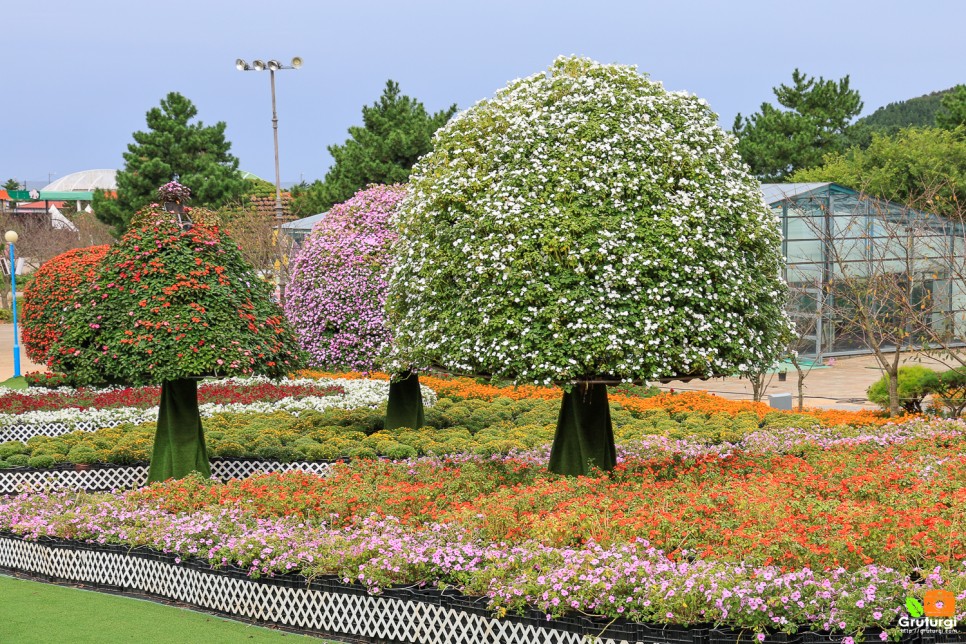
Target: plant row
[453,426]
[829,538]
[308,395]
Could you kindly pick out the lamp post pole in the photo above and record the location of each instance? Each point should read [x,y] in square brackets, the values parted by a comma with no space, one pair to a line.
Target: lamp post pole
[278,177]
[11,238]
[273,66]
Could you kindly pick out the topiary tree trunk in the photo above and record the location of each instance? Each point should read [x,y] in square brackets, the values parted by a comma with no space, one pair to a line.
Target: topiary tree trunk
[405,408]
[179,444]
[585,436]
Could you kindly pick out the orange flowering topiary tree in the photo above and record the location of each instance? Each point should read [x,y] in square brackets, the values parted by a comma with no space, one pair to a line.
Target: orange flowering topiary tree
[52,291]
[171,302]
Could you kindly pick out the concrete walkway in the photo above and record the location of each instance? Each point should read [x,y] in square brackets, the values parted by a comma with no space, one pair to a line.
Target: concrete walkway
[840,385]
[6,355]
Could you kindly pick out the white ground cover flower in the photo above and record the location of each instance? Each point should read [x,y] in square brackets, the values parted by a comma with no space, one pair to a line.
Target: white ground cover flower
[586,222]
[358,393]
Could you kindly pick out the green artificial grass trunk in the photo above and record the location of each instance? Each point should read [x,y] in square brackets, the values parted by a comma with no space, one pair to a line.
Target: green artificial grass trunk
[585,436]
[405,408]
[179,444]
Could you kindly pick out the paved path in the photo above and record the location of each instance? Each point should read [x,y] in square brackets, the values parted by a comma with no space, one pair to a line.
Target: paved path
[841,385]
[6,355]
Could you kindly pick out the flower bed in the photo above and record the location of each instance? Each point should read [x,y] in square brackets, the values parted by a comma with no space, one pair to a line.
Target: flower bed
[255,396]
[811,533]
[454,425]
[689,401]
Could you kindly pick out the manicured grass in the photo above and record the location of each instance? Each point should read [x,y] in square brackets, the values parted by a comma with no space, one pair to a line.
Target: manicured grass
[14,383]
[34,612]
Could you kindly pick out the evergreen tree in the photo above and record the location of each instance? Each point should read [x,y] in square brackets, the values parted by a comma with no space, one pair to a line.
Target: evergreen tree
[172,145]
[954,109]
[396,131]
[11,184]
[815,121]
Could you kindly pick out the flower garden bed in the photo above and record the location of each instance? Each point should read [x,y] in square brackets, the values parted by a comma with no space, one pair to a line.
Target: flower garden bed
[717,526]
[61,411]
[793,532]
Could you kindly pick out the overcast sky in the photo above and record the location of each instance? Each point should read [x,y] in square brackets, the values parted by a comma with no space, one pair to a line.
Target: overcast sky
[79,76]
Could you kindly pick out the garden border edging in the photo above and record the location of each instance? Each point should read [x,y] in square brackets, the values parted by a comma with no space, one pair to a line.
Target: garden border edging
[326,608]
[101,477]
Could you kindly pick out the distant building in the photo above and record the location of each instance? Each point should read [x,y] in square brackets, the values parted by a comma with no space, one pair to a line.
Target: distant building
[830,232]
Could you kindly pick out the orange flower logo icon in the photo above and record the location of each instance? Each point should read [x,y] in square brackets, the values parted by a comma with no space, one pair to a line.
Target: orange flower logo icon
[939,603]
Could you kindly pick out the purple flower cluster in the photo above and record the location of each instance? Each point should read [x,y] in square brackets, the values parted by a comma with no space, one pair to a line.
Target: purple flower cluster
[337,294]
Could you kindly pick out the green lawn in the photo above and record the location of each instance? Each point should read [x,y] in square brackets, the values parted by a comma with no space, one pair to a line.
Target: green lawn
[31,612]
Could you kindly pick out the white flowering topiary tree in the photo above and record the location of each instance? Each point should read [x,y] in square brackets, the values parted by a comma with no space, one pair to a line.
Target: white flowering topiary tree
[586,226]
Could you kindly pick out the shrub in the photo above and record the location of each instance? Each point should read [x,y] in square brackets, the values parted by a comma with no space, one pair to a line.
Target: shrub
[952,390]
[168,303]
[17,460]
[42,461]
[915,383]
[54,288]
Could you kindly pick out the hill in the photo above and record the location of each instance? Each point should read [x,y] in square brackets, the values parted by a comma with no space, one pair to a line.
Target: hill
[915,112]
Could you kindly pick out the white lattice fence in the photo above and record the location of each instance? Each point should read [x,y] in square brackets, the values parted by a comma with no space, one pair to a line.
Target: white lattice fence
[25,432]
[112,477]
[326,609]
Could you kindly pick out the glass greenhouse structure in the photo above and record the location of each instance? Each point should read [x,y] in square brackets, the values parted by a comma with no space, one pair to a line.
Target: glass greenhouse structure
[835,238]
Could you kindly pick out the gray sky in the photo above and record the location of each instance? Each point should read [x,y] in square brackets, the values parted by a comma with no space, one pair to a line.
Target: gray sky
[80,75]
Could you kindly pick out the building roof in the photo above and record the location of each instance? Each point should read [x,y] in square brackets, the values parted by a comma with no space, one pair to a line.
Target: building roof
[84,181]
[776,192]
[305,223]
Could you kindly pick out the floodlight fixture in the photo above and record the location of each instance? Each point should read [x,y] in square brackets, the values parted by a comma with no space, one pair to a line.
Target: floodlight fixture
[258,65]
[241,65]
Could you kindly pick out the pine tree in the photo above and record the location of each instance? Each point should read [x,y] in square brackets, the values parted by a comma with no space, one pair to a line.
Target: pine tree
[11,184]
[816,120]
[396,131]
[172,145]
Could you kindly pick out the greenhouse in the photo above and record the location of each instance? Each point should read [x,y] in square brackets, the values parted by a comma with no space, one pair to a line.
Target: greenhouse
[833,235]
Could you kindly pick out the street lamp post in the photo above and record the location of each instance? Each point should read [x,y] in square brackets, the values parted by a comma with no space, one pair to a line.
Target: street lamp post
[12,237]
[273,66]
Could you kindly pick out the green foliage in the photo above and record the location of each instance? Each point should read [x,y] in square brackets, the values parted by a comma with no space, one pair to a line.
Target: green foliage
[915,383]
[924,168]
[199,154]
[168,303]
[815,121]
[915,112]
[396,131]
[953,114]
[951,391]
[11,184]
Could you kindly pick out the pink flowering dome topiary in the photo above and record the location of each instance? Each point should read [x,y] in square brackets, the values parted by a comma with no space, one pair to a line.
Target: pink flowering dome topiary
[337,292]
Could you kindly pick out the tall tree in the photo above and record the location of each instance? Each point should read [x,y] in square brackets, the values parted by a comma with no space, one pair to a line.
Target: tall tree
[173,145]
[522,251]
[923,168]
[11,184]
[814,119]
[953,113]
[396,131]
